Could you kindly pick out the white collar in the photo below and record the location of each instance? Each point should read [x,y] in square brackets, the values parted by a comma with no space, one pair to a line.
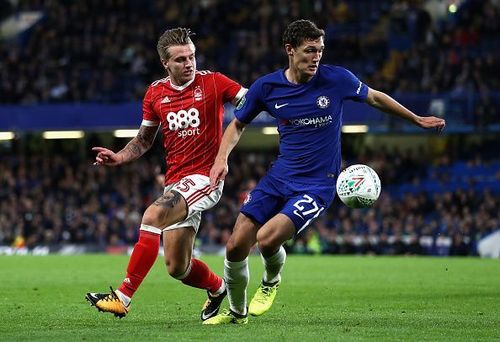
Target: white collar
[184,86]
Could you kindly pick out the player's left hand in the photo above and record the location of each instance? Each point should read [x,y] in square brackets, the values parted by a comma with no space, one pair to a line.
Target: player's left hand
[218,172]
[431,122]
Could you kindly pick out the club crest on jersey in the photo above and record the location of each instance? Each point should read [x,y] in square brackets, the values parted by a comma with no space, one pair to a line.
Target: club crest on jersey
[323,102]
[248,198]
[198,93]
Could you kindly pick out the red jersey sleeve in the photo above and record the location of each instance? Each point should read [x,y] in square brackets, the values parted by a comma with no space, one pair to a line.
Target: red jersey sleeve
[149,116]
[230,88]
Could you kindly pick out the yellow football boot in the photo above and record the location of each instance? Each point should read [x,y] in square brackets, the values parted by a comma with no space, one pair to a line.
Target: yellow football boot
[227,317]
[263,299]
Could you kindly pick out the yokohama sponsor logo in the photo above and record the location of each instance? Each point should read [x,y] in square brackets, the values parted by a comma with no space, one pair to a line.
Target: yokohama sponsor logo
[317,121]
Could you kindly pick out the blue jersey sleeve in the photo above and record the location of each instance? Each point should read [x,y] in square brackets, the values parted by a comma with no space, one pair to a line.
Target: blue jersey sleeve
[354,89]
[251,104]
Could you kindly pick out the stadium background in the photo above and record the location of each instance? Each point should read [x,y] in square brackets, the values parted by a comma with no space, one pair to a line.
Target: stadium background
[84,66]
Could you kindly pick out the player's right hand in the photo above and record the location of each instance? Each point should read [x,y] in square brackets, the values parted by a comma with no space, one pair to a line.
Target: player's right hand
[218,173]
[431,122]
[106,157]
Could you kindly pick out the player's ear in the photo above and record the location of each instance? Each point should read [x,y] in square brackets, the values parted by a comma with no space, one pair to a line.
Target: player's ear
[164,63]
[289,49]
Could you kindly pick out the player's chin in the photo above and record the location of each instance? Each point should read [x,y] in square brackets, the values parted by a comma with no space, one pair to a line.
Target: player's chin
[187,76]
[185,80]
[312,70]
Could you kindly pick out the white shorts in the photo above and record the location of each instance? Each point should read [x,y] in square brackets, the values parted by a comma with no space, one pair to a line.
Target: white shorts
[196,191]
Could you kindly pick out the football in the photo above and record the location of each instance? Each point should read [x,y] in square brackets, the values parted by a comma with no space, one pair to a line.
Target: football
[358,186]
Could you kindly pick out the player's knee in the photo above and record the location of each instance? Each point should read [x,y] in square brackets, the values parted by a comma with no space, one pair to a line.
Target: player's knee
[236,251]
[263,238]
[268,244]
[175,268]
[153,217]
[231,248]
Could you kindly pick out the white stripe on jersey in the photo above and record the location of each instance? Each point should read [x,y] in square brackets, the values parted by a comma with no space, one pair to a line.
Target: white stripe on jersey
[203,72]
[239,95]
[149,123]
[161,80]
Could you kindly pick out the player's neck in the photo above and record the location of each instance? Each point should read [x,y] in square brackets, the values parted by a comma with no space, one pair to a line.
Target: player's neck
[178,85]
[296,77]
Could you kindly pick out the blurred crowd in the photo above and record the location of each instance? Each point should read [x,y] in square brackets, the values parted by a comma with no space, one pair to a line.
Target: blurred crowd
[458,55]
[55,200]
[58,200]
[105,50]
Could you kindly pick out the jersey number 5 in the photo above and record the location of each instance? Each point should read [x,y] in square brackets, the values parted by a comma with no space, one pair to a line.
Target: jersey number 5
[184,186]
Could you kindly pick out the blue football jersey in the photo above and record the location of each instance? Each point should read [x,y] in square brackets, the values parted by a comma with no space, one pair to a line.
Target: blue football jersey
[309,119]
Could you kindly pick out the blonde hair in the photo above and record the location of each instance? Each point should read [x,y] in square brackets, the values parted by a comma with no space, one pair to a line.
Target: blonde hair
[175,36]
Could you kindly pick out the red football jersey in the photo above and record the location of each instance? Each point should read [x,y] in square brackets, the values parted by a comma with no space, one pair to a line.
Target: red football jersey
[191,118]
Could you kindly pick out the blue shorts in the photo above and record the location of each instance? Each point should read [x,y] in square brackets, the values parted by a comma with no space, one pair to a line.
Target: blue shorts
[301,202]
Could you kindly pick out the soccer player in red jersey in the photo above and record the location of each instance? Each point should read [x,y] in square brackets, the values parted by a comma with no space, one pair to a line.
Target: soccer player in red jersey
[187,107]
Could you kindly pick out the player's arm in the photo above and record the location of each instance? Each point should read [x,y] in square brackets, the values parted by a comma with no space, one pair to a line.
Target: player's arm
[230,139]
[133,150]
[388,105]
[239,96]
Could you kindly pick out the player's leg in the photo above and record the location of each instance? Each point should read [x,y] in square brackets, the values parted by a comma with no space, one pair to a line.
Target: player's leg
[166,210]
[236,273]
[178,245]
[263,203]
[296,214]
[179,239]
[270,239]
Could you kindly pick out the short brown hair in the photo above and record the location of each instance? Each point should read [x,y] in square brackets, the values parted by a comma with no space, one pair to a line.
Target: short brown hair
[301,30]
[175,36]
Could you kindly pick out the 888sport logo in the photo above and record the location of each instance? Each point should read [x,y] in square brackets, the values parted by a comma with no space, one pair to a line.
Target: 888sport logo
[184,121]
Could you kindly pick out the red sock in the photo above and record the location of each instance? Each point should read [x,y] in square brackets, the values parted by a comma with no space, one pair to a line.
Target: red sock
[142,259]
[202,277]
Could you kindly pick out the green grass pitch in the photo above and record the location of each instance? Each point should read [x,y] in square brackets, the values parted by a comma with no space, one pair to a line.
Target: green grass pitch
[321,299]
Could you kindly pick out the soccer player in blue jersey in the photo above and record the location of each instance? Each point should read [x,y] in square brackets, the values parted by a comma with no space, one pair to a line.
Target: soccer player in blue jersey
[306,99]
